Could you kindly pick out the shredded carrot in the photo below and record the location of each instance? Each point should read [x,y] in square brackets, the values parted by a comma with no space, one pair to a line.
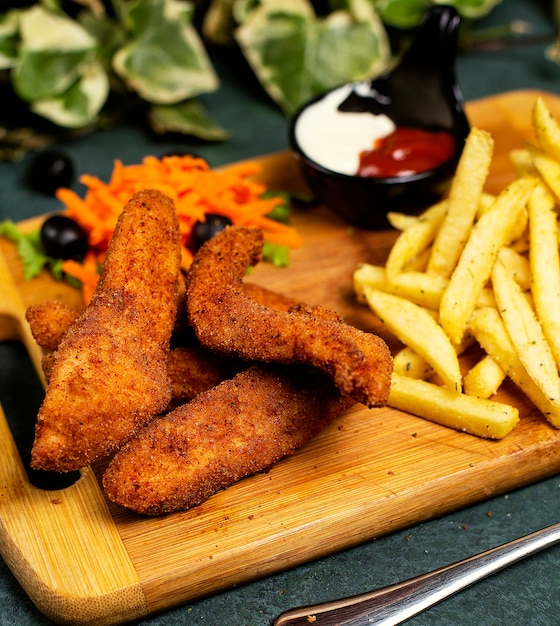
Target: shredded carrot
[86,272]
[196,190]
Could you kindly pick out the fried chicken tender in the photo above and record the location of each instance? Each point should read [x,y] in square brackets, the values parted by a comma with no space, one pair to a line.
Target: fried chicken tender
[226,320]
[281,302]
[238,428]
[49,321]
[109,373]
[191,368]
[268,297]
[194,369]
[47,363]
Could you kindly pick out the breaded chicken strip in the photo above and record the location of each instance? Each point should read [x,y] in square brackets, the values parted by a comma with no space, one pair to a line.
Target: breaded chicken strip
[47,363]
[236,429]
[109,372]
[194,369]
[226,320]
[49,321]
[191,368]
[268,297]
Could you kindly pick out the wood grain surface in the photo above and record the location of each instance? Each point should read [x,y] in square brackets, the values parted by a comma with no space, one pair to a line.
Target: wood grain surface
[83,560]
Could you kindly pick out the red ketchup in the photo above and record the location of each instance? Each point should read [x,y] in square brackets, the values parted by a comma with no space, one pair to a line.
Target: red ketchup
[406,151]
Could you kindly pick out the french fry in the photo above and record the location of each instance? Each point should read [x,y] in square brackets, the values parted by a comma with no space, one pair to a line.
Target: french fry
[419,262]
[418,287]
[368,275]
[546,129]
[518,267]
[463,203]
[485,203]
[489,330]
[525,332]
[401,221]
[488,236]
[487,270]
[415,239]
[549,170]
[404,318]
[407,362]
[477,416]
[545,265]
[421,237]
[522,161]
[519,228]
[521,244]
[484,379]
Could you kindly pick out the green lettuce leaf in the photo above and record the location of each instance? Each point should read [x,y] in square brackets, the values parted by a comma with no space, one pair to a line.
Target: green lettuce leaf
[278,255]
[165,62]
[280,213]
[296,55]
[28,247]
[30,252]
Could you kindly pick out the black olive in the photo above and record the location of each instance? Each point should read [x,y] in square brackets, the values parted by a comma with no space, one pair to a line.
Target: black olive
[63,238]
[203,231]
[50,170]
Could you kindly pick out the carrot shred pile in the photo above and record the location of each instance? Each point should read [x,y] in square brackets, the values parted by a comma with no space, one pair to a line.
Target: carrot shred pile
[196,190]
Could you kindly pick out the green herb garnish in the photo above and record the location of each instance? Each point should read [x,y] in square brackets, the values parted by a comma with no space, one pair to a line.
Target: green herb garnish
[31,253]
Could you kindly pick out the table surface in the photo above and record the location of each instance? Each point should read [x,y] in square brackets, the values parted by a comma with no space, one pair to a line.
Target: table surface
[526,593]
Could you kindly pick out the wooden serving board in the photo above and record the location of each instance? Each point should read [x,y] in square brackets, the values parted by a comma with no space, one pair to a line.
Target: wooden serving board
[83,560]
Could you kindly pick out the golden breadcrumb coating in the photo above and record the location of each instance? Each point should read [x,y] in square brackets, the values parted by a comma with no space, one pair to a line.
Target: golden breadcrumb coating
[238,428]
[49,321]
[193,369]
[227,320]
[109,372]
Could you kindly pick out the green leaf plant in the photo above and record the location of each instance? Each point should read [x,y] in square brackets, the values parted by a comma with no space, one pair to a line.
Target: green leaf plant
[69,61]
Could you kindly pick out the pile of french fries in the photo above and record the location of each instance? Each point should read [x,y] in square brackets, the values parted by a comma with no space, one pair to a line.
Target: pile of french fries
[477,271]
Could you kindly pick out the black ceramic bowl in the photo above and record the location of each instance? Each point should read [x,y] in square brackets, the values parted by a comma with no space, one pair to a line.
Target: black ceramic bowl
[420,92]
[365,201]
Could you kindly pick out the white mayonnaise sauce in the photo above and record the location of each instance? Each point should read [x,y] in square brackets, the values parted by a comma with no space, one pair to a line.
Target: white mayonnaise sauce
[334,139]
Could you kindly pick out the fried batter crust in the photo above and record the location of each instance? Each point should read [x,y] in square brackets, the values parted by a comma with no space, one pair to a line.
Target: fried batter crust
[191,368]
[49,321]
[109,372]
[227,320]
[238,428]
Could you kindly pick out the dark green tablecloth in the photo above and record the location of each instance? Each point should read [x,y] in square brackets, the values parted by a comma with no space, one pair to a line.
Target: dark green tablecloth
[527,593]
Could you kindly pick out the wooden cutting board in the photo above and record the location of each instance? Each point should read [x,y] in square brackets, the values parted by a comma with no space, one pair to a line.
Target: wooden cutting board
[83,560]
